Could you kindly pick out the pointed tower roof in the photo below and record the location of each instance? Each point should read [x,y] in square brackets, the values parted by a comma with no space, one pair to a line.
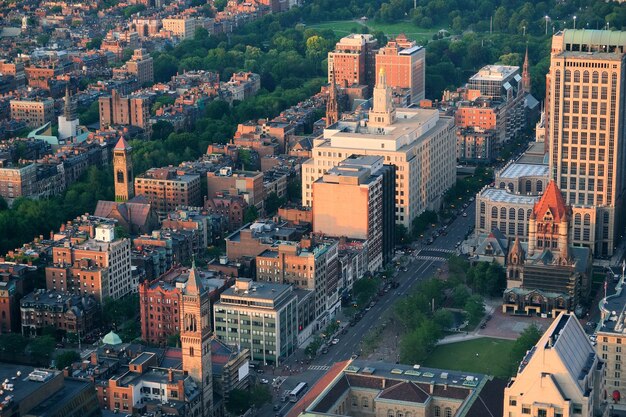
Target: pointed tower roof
[69,108]
[552,201]
[516,250]
[194,284]
[122,144]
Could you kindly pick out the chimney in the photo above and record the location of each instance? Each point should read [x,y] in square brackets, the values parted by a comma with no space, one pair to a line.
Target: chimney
[170,375]
[432,387]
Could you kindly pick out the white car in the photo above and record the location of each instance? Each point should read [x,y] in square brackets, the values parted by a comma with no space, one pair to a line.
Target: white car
[464,214]
[334,341]
[264,381]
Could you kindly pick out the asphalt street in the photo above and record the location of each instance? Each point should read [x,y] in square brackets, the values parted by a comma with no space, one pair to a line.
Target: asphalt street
[423,263]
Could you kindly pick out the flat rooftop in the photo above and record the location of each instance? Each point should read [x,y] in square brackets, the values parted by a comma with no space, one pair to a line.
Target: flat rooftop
[23,386]
[258,291]
[494,72]
[503,196]
[516,170]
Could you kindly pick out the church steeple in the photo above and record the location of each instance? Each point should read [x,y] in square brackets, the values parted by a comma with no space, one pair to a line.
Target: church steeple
[332,106]
[526,84]
[69,109]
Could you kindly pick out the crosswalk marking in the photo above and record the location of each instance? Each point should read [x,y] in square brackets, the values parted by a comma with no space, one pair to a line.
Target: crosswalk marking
[430,258]
[319,368]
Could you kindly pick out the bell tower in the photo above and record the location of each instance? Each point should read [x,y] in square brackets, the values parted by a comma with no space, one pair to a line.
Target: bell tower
[195,337]
[123,171]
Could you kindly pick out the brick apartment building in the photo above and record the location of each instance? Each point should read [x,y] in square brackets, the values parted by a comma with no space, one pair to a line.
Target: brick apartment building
[66,312]
[98,266]
[168,189]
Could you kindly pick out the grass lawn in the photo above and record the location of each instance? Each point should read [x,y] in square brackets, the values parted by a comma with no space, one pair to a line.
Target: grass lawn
[345,27]
[493,358]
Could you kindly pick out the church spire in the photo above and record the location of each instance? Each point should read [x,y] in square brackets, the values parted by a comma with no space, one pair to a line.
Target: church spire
[332,106]
[526,84]
[69,109]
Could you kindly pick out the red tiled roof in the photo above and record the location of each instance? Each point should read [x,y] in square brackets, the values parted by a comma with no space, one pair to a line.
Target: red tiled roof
[317,389]
[122,144]
[552,200]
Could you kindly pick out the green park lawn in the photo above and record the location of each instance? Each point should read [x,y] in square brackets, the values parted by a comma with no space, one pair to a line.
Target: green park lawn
[345,27]
[493,356]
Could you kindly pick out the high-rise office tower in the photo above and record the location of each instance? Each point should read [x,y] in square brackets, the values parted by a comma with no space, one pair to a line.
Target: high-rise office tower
[585,132]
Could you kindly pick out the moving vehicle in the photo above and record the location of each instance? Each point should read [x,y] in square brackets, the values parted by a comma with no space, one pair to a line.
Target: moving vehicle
[295,394]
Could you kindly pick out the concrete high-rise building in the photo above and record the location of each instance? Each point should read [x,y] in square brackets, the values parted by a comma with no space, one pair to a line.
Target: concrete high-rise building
[420,144]
[68,122]
[349,202]
[560,376]
[353,61]
[195,338]
[585,132]
[123,171]
[405,65]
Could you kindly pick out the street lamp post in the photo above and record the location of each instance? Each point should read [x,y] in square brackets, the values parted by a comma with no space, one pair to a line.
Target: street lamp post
[574,22]
[547,18]
[524,29]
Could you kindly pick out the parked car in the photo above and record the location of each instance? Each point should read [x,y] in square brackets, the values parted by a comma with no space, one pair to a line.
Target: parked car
[334,341]
[264,381]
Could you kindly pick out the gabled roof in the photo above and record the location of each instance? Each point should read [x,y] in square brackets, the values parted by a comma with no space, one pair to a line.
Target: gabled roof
[405,391]
[552,201]
[194,285]
[122,144]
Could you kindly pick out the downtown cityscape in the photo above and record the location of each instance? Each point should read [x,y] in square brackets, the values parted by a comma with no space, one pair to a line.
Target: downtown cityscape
[312,208]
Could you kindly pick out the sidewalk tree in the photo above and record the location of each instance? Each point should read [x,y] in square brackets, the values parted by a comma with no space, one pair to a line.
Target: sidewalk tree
[475,308]
[66,358]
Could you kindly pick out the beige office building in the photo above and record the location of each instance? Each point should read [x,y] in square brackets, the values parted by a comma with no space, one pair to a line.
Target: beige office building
[419,142]
[182,27]
[560,376]
[34,113]
[584,125]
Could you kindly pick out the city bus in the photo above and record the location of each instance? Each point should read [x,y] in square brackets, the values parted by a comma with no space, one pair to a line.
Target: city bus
[295,394]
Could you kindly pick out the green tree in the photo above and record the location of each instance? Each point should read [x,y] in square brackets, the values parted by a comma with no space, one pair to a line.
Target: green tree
[251,214]
[460,295]
[94,43]
[66,358]
[239,401]
[443,318]
[524,342]
[12,343]
[272,203]
[220,4]
[41,347]
[475,308]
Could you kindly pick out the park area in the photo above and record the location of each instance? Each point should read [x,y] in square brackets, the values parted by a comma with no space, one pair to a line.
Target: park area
[345,27]
[494,356]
